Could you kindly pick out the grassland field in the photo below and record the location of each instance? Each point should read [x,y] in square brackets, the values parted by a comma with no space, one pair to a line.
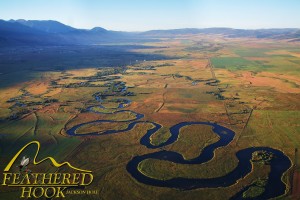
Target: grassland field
[251,86]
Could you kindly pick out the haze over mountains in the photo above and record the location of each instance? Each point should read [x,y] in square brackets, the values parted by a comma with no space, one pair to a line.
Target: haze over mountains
[48,32]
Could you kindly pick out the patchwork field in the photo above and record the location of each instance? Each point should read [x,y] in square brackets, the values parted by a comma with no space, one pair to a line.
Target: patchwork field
[248,86]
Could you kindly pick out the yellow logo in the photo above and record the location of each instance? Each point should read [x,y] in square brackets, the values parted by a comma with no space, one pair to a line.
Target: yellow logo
[49,185]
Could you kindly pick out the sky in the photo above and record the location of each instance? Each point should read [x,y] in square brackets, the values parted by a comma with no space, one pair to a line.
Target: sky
[141,15]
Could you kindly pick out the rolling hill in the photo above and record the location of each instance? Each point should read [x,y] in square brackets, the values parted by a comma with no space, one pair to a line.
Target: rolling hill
[49,32]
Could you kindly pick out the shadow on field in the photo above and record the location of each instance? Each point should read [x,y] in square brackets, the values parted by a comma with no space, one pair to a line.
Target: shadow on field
[17,63]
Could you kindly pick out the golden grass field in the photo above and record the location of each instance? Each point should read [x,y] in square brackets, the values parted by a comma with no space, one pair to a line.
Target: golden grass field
[259,81]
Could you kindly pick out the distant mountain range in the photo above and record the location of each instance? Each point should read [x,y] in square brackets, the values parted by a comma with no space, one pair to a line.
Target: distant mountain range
[34,32]
[286,33]
[49,32]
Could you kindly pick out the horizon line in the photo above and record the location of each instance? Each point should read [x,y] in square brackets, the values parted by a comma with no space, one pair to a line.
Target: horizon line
[155,29]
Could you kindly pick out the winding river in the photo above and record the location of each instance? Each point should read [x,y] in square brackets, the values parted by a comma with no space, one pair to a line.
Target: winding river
[280,163]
